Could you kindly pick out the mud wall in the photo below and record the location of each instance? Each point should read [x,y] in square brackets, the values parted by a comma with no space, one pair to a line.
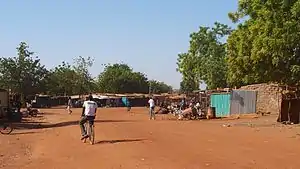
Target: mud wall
[269,97]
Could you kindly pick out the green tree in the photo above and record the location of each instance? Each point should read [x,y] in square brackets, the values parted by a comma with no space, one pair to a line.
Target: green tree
[187,66]
[84,82]
[120,78]
[205,60]
[24,73]
[266,46]
[62,80]
[158,87]
[187,86]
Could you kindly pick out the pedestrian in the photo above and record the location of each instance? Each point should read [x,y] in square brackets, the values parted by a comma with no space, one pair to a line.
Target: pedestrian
[69,105]
[28,106]
[182,104]
[151,108]
[128,105]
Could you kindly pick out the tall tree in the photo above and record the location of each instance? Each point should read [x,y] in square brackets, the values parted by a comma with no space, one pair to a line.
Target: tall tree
[120,78]
[188,67]
[85,82]
[266,46]
[62,80]
[205,60]
[24,73]
[158,87]
[187,86]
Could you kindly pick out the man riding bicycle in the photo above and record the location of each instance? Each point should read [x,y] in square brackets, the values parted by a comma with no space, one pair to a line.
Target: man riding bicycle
[88,114]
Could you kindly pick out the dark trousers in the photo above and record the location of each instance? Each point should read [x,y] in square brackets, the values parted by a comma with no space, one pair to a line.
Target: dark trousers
[83,120]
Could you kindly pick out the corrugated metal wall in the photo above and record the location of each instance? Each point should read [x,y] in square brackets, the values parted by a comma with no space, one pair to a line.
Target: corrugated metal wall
[222,104]
[243,102]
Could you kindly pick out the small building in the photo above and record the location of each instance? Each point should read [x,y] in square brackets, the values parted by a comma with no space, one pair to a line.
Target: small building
[234,102]
[221,103]
[269,97]
[290,107]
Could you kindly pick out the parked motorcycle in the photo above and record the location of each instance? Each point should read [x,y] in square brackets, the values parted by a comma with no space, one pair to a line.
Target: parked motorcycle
[30,112]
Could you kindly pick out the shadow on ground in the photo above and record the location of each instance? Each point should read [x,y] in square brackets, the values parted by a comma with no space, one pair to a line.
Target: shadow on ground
[41,125]
[118,141]
[32,122]
[22,133]
[47,113]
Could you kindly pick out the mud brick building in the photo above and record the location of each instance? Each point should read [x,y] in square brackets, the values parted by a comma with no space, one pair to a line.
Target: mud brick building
[269,97]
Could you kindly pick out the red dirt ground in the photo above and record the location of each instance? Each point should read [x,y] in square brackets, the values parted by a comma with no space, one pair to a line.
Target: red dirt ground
[129,140]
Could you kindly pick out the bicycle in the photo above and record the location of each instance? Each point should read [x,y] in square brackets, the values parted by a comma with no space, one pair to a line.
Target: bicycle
[6,127]
[89,128]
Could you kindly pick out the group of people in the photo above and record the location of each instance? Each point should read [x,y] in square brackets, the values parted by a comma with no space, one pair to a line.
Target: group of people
[89,111]
[190,108]
[183,105]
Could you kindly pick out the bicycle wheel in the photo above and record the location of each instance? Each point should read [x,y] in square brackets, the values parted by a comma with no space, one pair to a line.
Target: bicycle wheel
[86,129]
[91,134]
[6,128]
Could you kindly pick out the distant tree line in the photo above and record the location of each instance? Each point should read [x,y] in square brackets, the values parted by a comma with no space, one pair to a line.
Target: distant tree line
[265,47]
[24,74]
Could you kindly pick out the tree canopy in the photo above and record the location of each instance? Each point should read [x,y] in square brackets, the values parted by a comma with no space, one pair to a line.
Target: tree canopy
[205,59]
[158,87]
[84,82]
[62,80]
[265,47]
[25,74]
[120,78]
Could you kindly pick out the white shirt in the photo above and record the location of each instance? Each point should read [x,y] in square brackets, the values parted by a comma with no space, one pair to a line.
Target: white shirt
[28,105]
[90,108]
[151,103]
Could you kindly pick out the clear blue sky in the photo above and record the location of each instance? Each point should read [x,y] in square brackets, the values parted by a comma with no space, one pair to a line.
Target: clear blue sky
[146,34]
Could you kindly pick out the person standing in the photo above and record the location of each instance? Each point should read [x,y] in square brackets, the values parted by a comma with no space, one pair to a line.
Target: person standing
[128,105]
[28,106]
[151,110]
[182,104]
[69,105]
[18,103]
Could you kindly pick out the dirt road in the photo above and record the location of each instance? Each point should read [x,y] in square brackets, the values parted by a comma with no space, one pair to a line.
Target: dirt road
[128,141]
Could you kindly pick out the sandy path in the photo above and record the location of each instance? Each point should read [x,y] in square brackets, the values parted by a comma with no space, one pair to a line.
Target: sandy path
[130,141]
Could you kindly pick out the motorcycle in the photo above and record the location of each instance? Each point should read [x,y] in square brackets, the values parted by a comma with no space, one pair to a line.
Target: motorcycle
[30,112]
[193,114]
